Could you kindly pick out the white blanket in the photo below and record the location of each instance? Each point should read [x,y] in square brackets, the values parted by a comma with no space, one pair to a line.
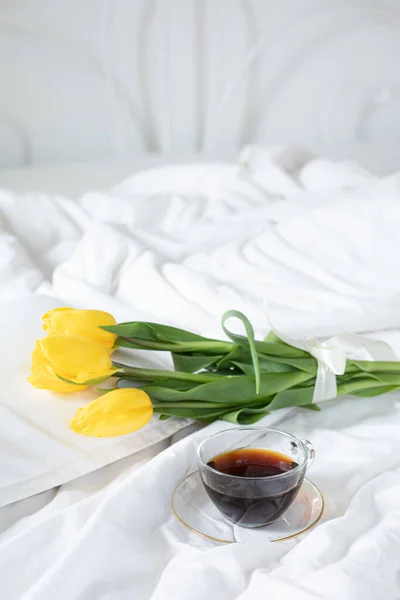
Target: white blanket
[319,241]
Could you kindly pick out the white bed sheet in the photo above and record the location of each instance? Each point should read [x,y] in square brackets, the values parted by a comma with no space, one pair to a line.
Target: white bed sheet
[319,241]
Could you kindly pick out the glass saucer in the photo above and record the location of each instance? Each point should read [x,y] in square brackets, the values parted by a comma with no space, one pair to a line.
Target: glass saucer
[193,508]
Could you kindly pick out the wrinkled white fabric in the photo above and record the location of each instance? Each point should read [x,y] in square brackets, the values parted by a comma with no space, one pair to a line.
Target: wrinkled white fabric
[319,242]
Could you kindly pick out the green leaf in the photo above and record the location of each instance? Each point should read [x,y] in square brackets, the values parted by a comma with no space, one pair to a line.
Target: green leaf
[305,363]
[272,338]
[231,389]
[386,378]
[246,369]
[207,347]
[164,417]
[266,367]
[292,397]
[241,354]
[245,416]
[193,413]
[159,374]
[275,348]
[228,372]
[358,384]
[309,364]
[174,384]
[370,392]
[197,405]
[237,353]
[154,336]
[280,350]
[154,332]
[372,366]
[250,339]
[192,364]
[312,407]
[354,377]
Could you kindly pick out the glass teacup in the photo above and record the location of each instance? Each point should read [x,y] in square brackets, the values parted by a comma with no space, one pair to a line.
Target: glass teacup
[253,474]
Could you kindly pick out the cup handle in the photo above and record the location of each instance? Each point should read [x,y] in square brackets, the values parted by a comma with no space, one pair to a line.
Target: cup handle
[310,451]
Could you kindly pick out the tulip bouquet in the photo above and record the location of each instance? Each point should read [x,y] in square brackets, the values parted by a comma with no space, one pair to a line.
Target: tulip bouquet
[238,380]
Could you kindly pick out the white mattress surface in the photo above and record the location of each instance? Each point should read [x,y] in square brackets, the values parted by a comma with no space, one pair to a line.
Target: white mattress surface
[315,239]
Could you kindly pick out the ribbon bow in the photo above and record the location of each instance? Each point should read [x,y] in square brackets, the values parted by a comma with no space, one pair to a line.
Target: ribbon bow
[332,354]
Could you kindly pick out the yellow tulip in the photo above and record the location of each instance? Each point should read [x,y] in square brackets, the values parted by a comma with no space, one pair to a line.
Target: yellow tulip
[115,413]
[81,323]
[79,360]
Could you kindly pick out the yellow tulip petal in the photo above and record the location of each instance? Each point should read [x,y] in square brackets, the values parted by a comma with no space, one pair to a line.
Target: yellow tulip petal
[80,323]
[116,413]
[72,357]
[40,381]
[92,378]
[43,377]
[38,359]
[78,360]
[47,317]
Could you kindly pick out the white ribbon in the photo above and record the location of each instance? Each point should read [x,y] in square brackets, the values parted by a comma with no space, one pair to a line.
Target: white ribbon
[332,354]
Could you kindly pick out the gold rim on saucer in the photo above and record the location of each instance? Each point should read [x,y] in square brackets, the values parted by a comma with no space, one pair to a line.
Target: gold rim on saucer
[223,541]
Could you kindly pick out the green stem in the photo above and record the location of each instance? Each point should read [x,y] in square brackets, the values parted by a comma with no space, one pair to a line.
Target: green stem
[196,404]
[372,366]
[204,347]
[260,402]
[157,374]
[351,387]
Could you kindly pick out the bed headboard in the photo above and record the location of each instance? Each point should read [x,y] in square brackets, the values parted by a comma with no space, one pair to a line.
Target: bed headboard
[93,79]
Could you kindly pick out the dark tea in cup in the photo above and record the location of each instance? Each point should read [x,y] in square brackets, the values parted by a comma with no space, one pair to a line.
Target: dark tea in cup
[238,502]
[253,474]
